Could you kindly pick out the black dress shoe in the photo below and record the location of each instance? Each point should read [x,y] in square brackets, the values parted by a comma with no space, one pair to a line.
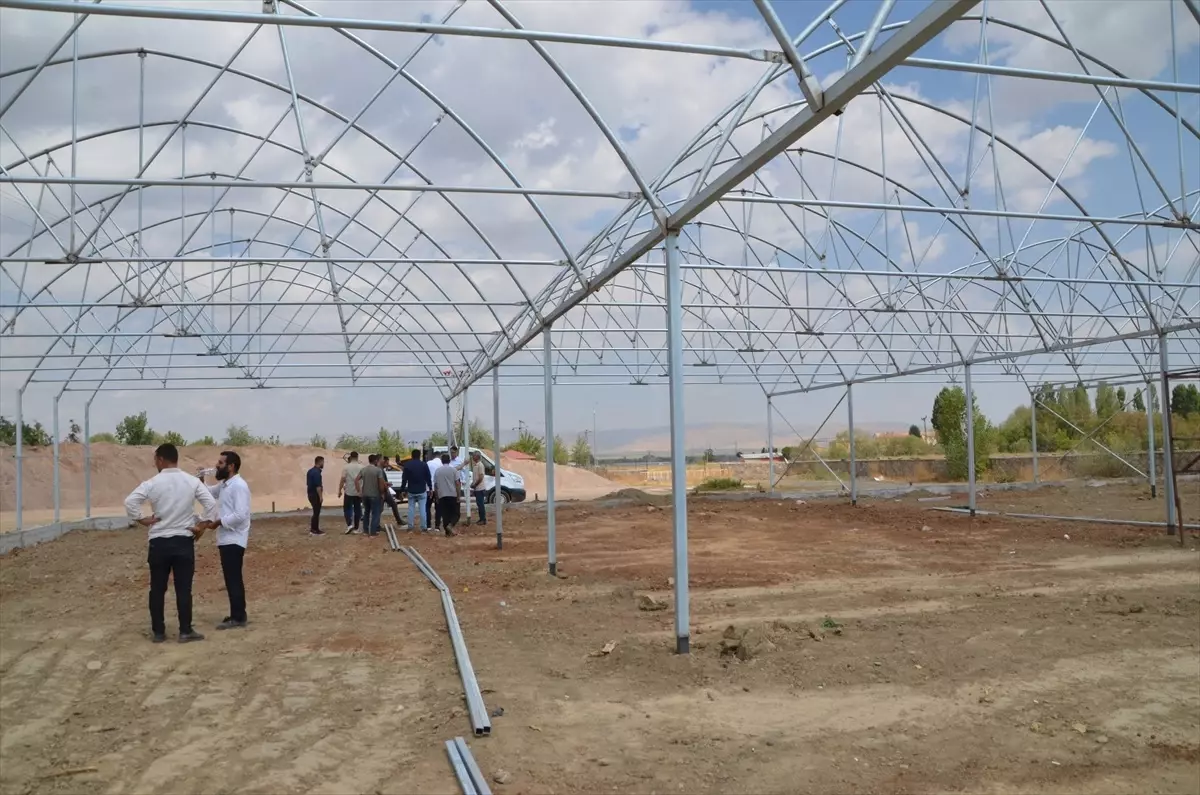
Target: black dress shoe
[229,623]
[157,638]
[191,636]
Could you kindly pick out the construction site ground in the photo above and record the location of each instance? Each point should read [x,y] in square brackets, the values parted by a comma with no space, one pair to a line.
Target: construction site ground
[883,648]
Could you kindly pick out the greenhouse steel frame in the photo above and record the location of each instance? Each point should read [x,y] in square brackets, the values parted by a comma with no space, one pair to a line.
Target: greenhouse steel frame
[317,276]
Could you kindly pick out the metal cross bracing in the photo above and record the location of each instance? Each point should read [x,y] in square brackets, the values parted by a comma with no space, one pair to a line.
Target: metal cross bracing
[277,194]
[821,245]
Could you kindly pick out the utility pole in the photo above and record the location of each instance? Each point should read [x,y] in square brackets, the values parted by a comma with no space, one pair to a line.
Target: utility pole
[925,426]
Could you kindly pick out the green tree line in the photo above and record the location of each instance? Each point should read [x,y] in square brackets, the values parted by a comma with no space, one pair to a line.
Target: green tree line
[1069,419]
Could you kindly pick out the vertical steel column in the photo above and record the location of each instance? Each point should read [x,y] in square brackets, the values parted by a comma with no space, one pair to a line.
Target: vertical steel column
[1153,456]
[57,465]
[141,249]
[770,447]
[20,453]
[970,438]
[547,377]
[182,325]
[1164,402]
[498,499]
[1033,433]
[87,459]
[853,461]
[449,427]
[466,453]
[678,459]
[74,134]
[595,441]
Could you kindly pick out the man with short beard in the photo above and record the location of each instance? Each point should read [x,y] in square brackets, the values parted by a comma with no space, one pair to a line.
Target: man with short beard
[233,533]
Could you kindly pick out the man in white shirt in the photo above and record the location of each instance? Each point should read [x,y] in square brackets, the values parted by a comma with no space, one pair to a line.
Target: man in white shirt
[173,531]
[432,510]
[461,466]
[233,533]
[352,504]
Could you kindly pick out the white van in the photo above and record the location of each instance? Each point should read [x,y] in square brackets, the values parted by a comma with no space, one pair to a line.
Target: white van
[512,485]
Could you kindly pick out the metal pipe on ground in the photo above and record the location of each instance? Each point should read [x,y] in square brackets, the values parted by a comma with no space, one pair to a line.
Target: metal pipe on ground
[480,721]
[424,568]
[1088,519]
[460,769]
[477,778]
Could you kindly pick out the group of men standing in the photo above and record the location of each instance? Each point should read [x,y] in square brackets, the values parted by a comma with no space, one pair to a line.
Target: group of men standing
[433,500]
[174,530]
[435,485]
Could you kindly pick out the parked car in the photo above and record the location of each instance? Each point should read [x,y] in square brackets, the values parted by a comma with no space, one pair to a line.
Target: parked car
[512,485]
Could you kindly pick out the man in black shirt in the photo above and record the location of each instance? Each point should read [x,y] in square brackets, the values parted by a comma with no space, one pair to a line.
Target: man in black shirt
[316,494]
[416,483]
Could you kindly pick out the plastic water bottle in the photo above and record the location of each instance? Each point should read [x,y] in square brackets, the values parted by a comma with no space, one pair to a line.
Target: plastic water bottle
[206,473]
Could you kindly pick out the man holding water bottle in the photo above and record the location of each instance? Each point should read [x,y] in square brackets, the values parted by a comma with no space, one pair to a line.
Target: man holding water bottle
[233,531]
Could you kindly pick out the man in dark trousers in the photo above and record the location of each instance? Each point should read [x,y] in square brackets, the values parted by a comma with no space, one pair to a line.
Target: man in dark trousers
[447,488]
[371,485]
[173,532]
[316,494]
[389,497]
[352,507]
[233,533]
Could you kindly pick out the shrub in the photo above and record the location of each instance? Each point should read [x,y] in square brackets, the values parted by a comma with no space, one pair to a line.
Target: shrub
[720,484]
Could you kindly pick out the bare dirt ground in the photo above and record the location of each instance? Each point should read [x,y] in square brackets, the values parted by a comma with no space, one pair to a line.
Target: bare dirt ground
[889,649]
[1099,499]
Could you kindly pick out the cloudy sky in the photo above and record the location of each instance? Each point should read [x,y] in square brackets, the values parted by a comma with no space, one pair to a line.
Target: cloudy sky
[475,111]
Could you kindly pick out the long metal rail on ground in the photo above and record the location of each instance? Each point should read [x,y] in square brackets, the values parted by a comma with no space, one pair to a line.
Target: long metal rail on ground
[393,540]
[1085,519]
[480,721]
[466,770]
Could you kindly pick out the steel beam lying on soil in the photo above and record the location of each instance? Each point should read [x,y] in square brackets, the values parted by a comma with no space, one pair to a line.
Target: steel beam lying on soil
[477,778]
[1088,519]
[393,541]
[480,721]
[460,769]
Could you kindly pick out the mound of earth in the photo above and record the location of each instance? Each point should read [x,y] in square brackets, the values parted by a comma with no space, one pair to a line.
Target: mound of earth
[275,474]
[570,483]
[638,496]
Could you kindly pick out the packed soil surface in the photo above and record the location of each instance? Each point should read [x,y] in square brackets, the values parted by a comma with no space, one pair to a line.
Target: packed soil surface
[885,648]
[275,475]
[1097,499]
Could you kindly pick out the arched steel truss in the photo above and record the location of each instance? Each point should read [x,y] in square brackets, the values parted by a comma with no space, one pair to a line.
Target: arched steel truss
[815,233]
[830,304]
